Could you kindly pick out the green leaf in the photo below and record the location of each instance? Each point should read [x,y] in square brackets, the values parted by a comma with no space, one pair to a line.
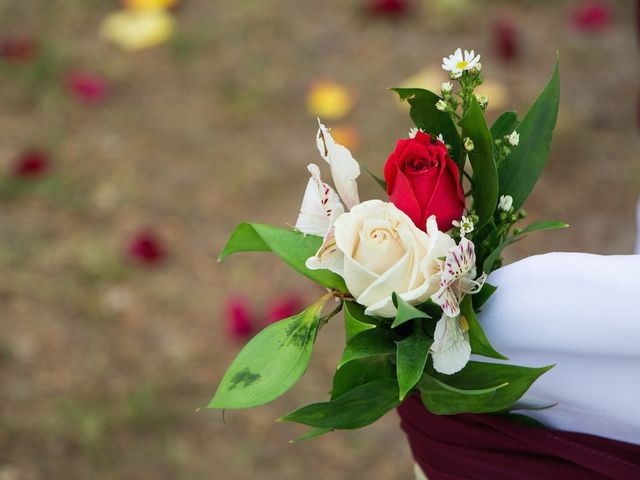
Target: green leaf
[378,180]
[311,434]
[405,311]
[522,167]
[368,344]
[479,343]
[355,321]
[479,375]
[533,227]
[485,175]
[361,371]
[411,359]
[291,246]
[271,363]
[428,118]
[355,409]
[442,399]
[504,125]
[480,298]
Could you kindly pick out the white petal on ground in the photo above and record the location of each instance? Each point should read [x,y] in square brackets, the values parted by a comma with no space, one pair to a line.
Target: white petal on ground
[320,205]
[451,349]
[344,168]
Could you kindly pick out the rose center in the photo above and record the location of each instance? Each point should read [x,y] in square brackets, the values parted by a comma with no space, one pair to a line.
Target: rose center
[418,164]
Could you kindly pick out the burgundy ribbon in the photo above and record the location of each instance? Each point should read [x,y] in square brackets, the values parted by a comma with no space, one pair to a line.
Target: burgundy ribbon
[490,447]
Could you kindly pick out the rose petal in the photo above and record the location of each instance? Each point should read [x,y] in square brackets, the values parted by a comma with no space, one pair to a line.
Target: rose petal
[146,248]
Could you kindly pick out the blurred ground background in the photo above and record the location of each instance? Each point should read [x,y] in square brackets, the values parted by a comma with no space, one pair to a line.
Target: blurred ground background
[105,361]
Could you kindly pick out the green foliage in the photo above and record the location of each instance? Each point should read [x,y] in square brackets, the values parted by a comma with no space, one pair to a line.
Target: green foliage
[533,227]
[361,371]
[504,125]
[509,381]
[480,298]
[291,246]
[485,175]
[405,311]
[311,434]
[479,343]
[520,170]
[411,359]
[355,409]
[443,399]
[355,321]
[428,118]
[271,363]
[368,344]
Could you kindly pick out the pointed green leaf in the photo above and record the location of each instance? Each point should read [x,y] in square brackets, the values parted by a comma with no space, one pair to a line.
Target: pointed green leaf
[355,409]
[368,344]
[271,363]
[405,311]
[523,166]
[428,118]
[504,125]
[485,175]
[355,321]
[411,359]
[378,180]
[533,227]
[442,399]
[291,246]
[479,343]
[479,375]
[361,371]
[311,434]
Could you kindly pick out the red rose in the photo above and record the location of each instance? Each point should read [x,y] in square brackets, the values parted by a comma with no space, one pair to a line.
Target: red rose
[422,180]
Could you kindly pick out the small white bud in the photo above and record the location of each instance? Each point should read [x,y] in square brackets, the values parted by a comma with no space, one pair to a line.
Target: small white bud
[477,67]
[506,203]
[455,74]
[442,105]
[483,100]
[468,144]
[465,225]
[446,87]
[414,131]
[514,138]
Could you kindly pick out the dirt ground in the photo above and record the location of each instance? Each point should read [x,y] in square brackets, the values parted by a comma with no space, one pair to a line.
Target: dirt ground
[104,365]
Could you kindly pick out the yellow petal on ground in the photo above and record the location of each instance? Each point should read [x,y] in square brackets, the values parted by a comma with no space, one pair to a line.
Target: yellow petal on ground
[429,78]
[329,100]
[495,92]
[149,4]
[346,135]
[138,29]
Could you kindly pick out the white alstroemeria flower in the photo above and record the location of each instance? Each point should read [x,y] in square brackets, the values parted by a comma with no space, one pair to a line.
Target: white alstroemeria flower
[506,203]
[458,63]
[514,139]
[458,278]
[465,224]
[344,168]
[414,131]
[451,349]
[320,206]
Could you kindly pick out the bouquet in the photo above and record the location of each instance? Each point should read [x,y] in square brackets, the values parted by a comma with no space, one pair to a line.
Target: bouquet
[409,271]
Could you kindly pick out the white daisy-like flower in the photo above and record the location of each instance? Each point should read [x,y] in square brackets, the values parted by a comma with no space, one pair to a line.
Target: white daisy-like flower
[468,144]
[506,203]
[414,131]
[465,224]
[483,100]
[514,138]
[446,87]
[459,62]
[442,105]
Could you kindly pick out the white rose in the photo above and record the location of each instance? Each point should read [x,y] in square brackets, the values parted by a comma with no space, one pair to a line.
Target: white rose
[384,252]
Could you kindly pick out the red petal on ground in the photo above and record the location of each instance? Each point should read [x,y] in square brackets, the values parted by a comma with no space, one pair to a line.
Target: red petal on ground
[31,163]
[146,248]
[18,49]
[87,87]
[238,318]
[592,17]
[387,7]
[284,307]
[505,40]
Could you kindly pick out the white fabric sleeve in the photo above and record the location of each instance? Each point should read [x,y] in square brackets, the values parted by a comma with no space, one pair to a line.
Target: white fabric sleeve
[638,228]
[582,313]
